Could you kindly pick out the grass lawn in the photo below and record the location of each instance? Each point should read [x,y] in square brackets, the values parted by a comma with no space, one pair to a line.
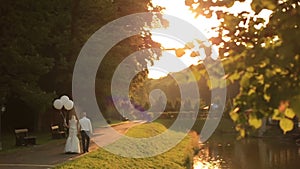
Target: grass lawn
[112,123]
[225,126]
[179,157]
[9,141]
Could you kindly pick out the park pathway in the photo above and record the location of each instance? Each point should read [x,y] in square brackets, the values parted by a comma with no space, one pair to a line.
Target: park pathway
[51,154]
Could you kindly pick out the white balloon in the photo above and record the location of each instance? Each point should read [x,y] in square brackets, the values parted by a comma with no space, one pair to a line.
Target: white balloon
[69,105]
[64,99]
[57,104]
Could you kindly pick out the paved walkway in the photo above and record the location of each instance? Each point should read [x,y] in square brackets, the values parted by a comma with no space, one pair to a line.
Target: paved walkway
[51,154]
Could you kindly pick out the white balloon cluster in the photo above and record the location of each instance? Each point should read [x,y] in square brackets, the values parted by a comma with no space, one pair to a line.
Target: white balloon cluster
[65,102]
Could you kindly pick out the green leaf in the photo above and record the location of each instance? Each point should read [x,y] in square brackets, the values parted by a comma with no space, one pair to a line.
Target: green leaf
[234,115]
[251,91]
[250,69]
[260,79]
[267,97]
[277,115]
[235,76]
[266,87]
[254,122]
[286,125]
[245,79]
[289,113]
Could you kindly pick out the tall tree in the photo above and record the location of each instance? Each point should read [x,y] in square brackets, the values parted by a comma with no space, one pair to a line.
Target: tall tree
[87,17]
[31,43]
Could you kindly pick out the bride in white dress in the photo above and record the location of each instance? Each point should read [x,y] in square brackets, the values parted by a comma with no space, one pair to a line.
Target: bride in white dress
[72,144]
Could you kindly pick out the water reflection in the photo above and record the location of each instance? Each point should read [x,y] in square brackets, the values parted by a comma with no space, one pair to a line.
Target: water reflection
[205,161]
[224,151]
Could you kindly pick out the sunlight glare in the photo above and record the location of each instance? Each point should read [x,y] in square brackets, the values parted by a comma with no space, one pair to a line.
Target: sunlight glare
[202,165]
[173,7]
[178,9]
[155,73]
[168,43]
[204,24]
[170,63]
[205,159]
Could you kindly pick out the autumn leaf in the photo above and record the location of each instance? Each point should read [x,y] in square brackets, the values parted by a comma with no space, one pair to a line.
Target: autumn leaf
[180,52]
[194,54]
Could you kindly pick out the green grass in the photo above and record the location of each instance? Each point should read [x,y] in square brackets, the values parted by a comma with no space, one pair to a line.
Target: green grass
[177,158]
[146,130]
[112,123]
[225,126]
[9,141]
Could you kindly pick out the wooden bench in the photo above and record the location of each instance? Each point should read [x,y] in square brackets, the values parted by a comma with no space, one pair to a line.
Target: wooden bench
[23,139]
[56,133]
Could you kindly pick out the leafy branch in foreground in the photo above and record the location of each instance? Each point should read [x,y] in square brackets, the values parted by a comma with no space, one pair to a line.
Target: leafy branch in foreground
[263,55]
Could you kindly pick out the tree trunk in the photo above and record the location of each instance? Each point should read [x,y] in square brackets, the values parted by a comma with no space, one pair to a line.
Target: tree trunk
[39,121]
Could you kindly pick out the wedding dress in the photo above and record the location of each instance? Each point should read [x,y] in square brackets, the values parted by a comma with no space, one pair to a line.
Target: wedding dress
[72,144]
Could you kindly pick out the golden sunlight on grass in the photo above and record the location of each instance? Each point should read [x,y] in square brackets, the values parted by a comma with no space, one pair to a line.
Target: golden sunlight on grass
[178,157]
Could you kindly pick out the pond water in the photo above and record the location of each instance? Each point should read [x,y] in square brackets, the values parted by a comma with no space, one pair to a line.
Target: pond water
[224,151]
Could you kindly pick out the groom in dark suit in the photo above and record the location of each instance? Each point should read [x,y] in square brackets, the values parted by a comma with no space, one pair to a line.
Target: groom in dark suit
[85,131]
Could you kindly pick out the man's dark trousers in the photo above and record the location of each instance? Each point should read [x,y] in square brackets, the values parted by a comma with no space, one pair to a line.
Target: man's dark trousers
[85,140]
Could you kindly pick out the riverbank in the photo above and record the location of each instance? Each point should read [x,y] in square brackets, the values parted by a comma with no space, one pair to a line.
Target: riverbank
[179,157]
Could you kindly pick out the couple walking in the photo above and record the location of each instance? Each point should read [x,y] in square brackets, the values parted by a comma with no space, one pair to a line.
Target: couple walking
[85,126]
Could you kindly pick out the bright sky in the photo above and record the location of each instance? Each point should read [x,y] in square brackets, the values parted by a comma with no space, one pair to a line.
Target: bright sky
[168,61]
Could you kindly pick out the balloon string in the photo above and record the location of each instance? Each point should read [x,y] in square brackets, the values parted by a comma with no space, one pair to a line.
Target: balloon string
[62,116]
